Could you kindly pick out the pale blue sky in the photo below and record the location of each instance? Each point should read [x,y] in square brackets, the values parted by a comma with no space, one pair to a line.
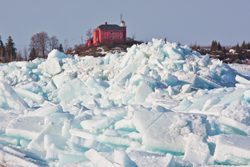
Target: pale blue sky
[187,22]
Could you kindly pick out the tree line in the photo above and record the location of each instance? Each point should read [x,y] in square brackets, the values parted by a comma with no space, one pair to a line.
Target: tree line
[40,45]
[239,54]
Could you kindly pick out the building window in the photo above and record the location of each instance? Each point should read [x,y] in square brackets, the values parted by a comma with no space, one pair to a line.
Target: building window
[104,37]
[103,32]
[111,32]
[119,32]
[111,37]
[119,37]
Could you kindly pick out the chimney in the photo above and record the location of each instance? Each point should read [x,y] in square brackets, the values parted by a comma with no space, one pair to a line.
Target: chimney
[106,23]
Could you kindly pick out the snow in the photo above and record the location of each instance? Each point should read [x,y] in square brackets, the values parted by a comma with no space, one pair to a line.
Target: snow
[158,104]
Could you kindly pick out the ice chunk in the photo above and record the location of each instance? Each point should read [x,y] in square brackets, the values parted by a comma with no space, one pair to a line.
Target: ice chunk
[234,124]
[162,99]
[114,140]
[53,152]
[72,89]
[148,160]
[97,159]
[111,132]
[32,87]
[210,102]
[83,134]
[168,131]
[125,124]
[52,66]
[30,95]
[143,91]
[204,61]
[58,117]
[51,85]
[56,54]
[102,123]
[44,111]
[242,80]
[172,52]
[27,127]
[183,105]
[143,118]
[38,142]
[94,87]
[124,72]
[117,114]
[232,150]
[247,95]
[196,150]
[57,140]
[81,144]
[8,139]
[24,143]
[66,158]
[186,88]
[9,98]
[170,79]
[123,159]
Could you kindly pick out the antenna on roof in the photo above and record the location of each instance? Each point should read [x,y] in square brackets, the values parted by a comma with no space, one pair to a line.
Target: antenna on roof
[121,17]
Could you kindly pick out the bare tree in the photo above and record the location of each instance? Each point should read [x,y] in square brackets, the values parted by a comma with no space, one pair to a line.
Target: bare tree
[66,45]
[133,37]
[89,34]
[40,42]
[25,53]
[19,56]
[53,42]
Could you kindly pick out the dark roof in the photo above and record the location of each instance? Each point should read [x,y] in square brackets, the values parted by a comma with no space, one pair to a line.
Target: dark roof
[111,27]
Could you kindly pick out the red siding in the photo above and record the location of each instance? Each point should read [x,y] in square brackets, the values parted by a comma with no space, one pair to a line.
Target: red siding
[101,36]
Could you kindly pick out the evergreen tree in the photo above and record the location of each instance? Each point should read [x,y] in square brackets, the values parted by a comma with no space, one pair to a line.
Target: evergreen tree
[214,46]
[33,54]
[10,50]
[60,48]
[219,46]
[243,45]
[237,48]
[2,48]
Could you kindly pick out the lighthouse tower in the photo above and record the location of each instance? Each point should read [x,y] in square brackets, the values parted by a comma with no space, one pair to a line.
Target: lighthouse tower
[124,30]
[122,23]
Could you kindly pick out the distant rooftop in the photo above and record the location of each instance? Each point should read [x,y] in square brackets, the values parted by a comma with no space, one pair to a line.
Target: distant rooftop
[111,27]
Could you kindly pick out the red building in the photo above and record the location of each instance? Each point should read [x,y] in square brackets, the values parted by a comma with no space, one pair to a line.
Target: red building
[109,33]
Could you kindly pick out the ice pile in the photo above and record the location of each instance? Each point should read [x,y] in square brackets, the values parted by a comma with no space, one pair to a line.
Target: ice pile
[158,104]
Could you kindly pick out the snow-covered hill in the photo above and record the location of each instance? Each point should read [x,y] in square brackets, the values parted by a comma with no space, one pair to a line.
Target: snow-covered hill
[157,104]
